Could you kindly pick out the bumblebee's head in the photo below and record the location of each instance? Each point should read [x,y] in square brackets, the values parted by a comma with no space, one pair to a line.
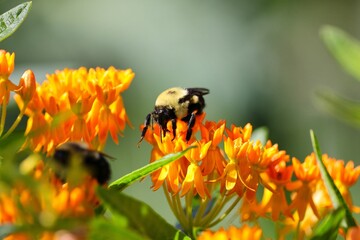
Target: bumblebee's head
[162,114]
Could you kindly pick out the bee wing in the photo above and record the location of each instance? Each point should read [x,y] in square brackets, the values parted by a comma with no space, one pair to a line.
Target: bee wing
[198,91]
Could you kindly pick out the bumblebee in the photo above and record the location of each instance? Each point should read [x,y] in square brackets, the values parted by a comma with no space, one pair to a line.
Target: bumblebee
[92,161]
[173,104]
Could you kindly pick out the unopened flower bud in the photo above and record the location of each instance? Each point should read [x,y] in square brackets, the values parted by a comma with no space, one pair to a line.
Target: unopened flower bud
[27,86]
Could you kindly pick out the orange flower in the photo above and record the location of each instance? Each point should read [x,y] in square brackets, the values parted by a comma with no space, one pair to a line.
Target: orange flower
[239,132]
[37,127]
[194,179]
[231,178]
[346,174]
[248,161]
[308,170]
[172,174]
[8,211]
[274,200]
[214,159]
[80,106]
[6,63]
[233,233]
[75,201]
[6,68]
[353,233]
[344,177]
[308,175]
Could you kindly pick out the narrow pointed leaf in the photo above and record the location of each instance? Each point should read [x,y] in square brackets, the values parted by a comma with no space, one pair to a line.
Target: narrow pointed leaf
[342,108]
[344,48]
[139,215]
[334,193]
[12,19]
[329,225]
[123,182]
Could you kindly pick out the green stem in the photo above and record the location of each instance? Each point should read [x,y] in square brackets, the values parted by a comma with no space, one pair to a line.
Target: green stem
[3,116]
[188,206]
[214,211]
[170,202]
[200,213]
[233,205]
[15,123]
[178,207]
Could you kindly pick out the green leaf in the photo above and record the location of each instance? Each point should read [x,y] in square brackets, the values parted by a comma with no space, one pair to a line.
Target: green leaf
[344,48]
[114,228]
[139,215]
[123,182]
[329,225]
[12,19]
[10,146]
[342,108]
[334,193]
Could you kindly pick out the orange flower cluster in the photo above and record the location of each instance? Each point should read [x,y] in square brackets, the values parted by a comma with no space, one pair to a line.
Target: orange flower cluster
[309,200]
[236,172]
[70,105]
[25,202]
[206,170]
[240,170]
[77,105]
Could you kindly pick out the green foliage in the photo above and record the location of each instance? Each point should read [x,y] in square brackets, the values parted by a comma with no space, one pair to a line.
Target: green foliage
[329,225]
[114,228]
[346,50]
[12,19]
[335,195]
[141,218]
[342,108]
[123,182]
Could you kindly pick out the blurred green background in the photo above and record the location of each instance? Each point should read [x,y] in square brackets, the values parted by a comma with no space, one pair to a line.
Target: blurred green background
[262,60]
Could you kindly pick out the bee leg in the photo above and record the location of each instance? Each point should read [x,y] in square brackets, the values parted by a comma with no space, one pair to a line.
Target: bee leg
[190,126]
[173,121]
[146,125]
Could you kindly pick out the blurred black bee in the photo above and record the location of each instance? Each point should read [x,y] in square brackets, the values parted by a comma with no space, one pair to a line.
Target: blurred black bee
[176,103]
[92,161]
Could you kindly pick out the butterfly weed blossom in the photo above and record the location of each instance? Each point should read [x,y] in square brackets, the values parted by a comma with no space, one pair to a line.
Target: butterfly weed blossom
[77,105]
[226,169]
[207,172]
